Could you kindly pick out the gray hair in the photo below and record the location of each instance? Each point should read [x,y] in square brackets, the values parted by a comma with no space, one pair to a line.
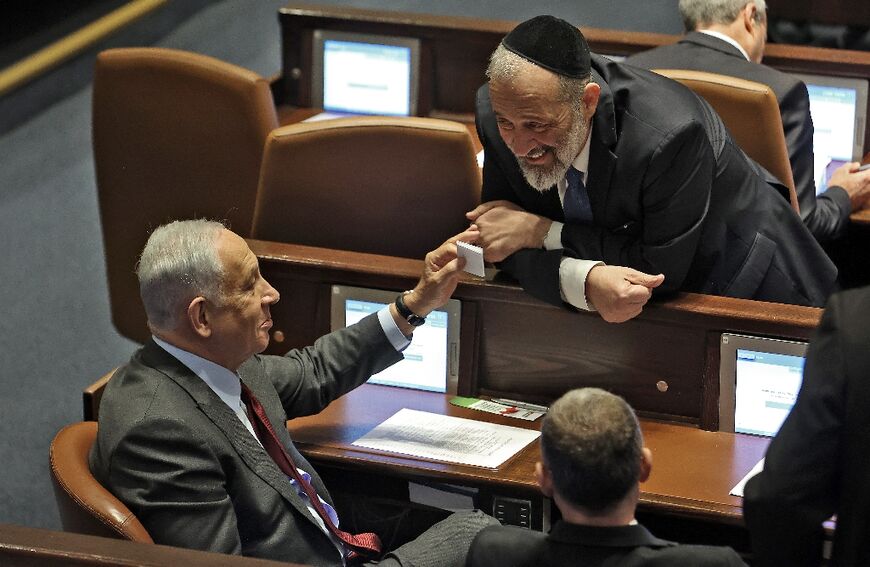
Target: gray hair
[592,444]
[504,65]
[700,13]
[179,262]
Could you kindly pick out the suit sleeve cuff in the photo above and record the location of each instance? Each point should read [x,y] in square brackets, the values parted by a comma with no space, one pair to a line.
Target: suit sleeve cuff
[840,197]
[553,240]
[396,337]
[572,281]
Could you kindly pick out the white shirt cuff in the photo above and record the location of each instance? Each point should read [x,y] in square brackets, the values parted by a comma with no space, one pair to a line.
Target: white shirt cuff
[553,240]
[396,337]
[572,281]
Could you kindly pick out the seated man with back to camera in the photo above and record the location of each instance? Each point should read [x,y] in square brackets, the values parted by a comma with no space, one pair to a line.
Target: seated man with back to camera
[728,37]
[593,461]
[192,434]
[590,162]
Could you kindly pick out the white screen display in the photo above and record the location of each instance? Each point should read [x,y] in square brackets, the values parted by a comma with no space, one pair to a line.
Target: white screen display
[767,387]
[425,363]
[366,78]
[833,111]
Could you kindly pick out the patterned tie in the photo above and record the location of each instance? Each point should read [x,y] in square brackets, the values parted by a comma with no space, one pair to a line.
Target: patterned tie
[366,545]
[576,205]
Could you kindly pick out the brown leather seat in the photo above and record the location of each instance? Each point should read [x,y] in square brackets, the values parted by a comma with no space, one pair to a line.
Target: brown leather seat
[176,135]
[391,186]
[751,113]
[85,506]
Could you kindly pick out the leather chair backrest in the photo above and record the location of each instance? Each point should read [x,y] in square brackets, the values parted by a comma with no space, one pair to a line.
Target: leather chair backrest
[391,186]
[85,506]
[751,113]
[177,135]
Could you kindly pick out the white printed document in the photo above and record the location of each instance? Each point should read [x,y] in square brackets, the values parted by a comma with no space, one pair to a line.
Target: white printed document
[444,438]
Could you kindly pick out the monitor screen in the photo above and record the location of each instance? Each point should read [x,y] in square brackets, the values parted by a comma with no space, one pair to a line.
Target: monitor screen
[365,74]
[767,386]
[759,380]
[431,361]
[839,110]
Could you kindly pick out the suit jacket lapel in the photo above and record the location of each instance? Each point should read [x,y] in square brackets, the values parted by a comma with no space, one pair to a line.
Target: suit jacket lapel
[250,451]
[602,161]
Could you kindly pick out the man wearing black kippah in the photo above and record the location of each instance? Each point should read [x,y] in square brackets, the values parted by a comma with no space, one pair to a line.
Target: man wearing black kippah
[603,183]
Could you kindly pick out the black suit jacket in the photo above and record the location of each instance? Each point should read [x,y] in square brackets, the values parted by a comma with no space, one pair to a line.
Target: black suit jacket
[586,546]
[826,215]
[670,193]
[183,462]
[819,462]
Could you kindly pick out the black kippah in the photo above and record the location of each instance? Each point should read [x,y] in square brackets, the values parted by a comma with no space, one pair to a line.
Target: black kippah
[551,43]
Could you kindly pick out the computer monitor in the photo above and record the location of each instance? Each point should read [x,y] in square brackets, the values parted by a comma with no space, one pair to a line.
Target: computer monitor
[839,110]
[431,362]
[759,380]
[356,73]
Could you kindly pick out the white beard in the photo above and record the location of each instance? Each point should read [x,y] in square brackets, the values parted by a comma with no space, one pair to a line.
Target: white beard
[542,177]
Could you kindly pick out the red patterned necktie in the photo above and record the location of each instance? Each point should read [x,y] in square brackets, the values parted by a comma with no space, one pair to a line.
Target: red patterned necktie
[367,545]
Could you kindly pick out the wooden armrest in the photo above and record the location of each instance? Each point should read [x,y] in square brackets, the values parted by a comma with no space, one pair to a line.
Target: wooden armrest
[92,395]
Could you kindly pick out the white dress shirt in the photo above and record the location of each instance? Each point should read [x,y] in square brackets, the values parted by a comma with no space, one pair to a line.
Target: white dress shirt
[227,385]
[729,39]
[572,271]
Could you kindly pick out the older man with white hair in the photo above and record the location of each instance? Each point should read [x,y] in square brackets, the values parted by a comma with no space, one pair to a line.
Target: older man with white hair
[728,37]
[192,434]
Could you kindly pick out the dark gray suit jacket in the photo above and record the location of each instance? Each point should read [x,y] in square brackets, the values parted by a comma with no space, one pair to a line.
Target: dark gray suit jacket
[184,463]
[819,462]
[670,193]
[572,545]
[826,215]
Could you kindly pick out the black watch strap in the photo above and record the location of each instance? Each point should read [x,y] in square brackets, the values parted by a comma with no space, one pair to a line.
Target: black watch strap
[406,314]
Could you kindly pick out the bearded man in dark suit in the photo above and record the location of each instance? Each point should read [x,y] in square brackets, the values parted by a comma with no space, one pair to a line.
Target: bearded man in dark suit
[592,165]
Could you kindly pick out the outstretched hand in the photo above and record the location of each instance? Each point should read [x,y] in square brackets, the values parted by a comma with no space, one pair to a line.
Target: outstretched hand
[855,182]
[442,269]
[619,293]
[505,227]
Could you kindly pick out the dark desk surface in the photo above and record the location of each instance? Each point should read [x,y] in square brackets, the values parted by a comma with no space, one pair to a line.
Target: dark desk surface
[693,470]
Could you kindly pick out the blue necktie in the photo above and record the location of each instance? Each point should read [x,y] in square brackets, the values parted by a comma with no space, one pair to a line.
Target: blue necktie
[576,201]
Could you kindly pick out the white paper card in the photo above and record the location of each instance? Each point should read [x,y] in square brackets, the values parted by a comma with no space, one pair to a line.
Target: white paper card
[738,490]
[507,411]
[444,438]
[473,258]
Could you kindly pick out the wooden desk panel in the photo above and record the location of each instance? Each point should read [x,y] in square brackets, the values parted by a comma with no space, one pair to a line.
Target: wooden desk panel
[327,437]
[522,347]
[693,470]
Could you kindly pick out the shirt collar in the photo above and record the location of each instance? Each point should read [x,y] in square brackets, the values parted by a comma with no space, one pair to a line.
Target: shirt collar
[634,535]
[727,39]
[224,382]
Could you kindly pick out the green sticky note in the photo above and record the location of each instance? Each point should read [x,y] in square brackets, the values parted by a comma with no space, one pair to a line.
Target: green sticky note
[463,402]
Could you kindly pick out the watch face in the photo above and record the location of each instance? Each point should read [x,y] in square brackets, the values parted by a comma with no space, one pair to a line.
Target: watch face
[415,320]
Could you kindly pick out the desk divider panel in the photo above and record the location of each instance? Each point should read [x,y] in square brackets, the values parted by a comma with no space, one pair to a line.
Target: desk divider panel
[664,362]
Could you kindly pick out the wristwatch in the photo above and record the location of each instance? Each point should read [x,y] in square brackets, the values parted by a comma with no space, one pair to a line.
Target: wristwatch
[405,313]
